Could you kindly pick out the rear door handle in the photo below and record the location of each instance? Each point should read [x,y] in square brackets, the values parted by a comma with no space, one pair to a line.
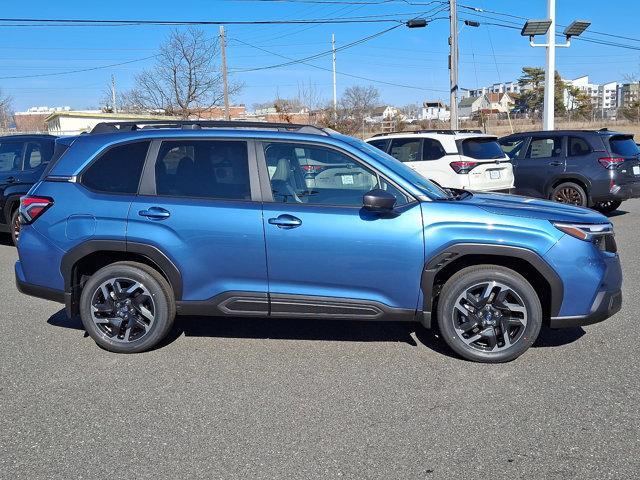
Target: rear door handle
[155,212]
[11,179]
[285,221]
[556,164]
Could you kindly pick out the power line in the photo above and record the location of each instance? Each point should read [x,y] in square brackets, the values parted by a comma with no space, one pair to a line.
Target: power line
[413,87]
[37,75]
[317,55]
[93,22]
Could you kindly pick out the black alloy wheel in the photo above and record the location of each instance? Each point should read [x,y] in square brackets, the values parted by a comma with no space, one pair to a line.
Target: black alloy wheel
[608,206]
[16,225]
[489,313]
[127,307]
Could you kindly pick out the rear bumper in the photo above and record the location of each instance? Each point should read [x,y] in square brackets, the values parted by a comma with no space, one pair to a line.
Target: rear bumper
[627,191]
[604,306]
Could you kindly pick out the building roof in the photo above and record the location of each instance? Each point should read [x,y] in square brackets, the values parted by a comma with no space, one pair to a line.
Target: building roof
[467,102]
[107,116]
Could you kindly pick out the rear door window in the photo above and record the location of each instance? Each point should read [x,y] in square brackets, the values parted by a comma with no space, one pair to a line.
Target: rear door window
[11,156]
[623,146]
[406,149]
[379,144]
[432,149]
[482,149]
[117,170]
[547,147]
[216,169]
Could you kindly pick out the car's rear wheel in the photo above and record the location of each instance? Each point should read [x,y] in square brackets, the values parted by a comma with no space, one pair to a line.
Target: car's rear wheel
[15,226]
[127,307]
[607,207]
[489,313]
[570,193]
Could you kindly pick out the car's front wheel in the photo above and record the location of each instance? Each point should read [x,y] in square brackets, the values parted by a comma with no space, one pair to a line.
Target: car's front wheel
[489,313]
[607,207]
[127,307]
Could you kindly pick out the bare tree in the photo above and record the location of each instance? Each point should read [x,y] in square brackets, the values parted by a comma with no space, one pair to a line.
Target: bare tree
[309,96]
[185,78]
[6,110]
[354,106]
[359,101]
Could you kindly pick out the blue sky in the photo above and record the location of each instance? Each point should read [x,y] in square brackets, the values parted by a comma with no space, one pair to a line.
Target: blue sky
[416,57]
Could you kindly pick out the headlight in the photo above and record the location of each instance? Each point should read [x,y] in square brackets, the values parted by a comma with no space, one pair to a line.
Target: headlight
[601,235]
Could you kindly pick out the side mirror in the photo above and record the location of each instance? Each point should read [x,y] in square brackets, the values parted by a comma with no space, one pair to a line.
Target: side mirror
[378,200]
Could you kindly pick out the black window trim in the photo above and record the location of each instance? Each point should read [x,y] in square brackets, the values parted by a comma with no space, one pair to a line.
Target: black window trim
[97,156]
[147,185]
[265,182]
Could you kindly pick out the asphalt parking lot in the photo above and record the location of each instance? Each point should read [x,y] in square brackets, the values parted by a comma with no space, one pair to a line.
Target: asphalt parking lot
[254,398]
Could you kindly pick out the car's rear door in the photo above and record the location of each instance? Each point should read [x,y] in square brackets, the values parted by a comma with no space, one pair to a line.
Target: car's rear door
[199,205]
[11,158]
[326,255]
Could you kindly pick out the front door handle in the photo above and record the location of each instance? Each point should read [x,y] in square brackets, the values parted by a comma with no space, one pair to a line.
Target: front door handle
[556,164]
[11,179]
[157,213]
[285,221]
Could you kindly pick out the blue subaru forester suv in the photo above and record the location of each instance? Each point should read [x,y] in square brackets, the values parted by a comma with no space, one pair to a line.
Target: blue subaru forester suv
[134,224]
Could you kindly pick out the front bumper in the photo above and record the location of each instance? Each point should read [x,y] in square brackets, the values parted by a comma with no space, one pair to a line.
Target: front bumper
[604,306]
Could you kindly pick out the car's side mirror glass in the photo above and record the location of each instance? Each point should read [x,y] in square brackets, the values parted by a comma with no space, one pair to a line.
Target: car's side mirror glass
[378,200]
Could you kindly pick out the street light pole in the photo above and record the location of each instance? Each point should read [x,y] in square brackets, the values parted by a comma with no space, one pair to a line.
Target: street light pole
[548,115]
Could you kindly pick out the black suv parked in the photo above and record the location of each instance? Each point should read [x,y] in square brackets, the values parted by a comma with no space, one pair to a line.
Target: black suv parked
[597,169]
[23,158]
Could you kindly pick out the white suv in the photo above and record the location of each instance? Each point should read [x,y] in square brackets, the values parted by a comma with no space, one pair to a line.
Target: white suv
[453,159]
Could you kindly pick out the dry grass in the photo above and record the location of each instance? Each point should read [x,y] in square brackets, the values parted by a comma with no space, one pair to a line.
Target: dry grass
[502,127]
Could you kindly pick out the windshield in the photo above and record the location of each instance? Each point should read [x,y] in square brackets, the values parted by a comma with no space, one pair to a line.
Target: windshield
[624,146]
[405,172]
[482,149]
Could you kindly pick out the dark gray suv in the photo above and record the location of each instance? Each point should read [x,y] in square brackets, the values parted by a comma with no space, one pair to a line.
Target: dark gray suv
[597,169]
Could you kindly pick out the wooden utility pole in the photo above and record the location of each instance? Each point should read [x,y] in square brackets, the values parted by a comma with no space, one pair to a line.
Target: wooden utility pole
[225,84]
[113,94]
[453,63]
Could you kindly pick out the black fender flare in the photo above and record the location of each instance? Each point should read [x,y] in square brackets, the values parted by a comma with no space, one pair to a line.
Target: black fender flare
[157,256]
[567,177]
[458,250]
[12,199]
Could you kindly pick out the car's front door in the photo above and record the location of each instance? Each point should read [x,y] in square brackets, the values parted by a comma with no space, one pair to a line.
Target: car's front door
[543,159]
[326,254]
[198,205]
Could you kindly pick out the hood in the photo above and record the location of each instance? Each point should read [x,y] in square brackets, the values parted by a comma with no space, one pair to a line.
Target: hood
[514,205]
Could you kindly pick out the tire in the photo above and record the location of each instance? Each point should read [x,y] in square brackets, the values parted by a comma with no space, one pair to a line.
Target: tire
[570,193]
[457,328]
[138,320]
[607,207]
[15,226]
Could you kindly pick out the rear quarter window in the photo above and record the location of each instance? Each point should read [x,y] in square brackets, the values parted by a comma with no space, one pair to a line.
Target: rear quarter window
[379,144]
[118,169]
[481,149]
[623,146]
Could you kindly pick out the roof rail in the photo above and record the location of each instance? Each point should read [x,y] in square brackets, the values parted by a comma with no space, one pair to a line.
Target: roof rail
[130,126]
[439,130]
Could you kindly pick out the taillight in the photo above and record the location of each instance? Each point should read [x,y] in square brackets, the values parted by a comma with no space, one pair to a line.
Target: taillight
[611,163]
[463,167]
[312,168]
[32,207]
